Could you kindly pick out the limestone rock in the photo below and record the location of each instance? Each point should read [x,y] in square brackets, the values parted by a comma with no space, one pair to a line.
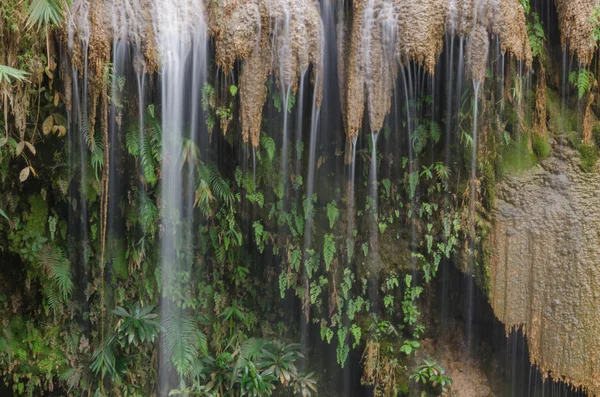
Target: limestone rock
[545,267]
[576,27]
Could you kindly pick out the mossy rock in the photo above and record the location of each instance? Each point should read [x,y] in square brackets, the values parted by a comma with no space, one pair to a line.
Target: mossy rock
[560,119]
[37,218]
[541,146]
[515,158]
[589,157]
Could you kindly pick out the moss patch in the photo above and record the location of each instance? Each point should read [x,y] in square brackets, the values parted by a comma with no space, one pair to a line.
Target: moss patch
[589,156]
[515,158]
[38,215]
[559,119]
[541,147]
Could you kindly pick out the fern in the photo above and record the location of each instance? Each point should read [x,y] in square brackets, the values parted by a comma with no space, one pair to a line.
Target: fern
[52,299]
[132,142]
[332,213]
[148,214]
[283,283]
[147,160]
[343,349]
[356,333]
[261,236]
[181,341]
[435,132]
[329,250]
[208,97]
[295,257]
[97,158]
[315,291]
[269,145]
[582,79]
[59,270]
[220,187]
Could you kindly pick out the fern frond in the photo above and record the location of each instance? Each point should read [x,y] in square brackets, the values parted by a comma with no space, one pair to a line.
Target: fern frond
[220,187]
[44,12]
[333,213]
[59,270]
[132,143]
[181,336]
[329,249]
[269,145]
[97,158]
[147,160]
[148,214]
[52,299]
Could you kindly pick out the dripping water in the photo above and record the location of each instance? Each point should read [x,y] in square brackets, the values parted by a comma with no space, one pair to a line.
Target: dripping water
[470,275]
[310,190]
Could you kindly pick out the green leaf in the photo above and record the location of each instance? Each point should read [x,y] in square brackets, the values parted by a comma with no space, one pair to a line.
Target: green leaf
[332,213]
[7,73]
[329,250]
[45,12]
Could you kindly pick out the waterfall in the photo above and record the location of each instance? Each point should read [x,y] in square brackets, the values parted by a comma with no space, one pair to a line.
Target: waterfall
[258,180]
[472,215]
[181,39]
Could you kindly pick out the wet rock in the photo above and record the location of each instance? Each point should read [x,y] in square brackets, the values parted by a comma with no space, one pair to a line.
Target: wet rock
[576,27]
[545,267]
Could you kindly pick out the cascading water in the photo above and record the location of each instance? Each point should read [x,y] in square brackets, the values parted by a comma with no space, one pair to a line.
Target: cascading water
[181,35]
[336,249]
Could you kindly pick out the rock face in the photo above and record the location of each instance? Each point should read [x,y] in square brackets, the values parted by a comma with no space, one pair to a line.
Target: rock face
[576,27]
[545,268]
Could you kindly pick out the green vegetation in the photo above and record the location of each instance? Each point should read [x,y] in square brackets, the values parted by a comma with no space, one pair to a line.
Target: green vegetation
[90,308]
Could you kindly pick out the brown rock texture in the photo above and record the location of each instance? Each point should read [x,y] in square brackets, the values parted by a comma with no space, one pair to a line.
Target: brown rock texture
[477,53]
[278,37]
[576,27]
[415,29]
[545,267]
[422,25]
[511,26]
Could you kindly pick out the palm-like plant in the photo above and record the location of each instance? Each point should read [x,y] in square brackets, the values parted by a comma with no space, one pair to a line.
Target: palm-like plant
[256,383]
[8,74]
[46,12]
[136,325]
[279,360]
[305,384]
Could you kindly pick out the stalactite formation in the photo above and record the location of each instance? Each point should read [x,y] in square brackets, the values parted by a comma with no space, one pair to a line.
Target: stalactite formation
[576,27]
[233,242]
[279,37]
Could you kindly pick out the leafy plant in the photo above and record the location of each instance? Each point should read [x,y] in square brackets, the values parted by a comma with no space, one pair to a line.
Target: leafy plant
[137,324]
[583,79]
[46,12]
[329,249]
[333,213]
[429,372]
[8,74]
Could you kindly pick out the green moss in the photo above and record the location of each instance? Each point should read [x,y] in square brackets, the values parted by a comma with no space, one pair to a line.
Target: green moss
[119,264]
[559,120]
[541,147]
[38,215]
[515,158]
[589,156]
